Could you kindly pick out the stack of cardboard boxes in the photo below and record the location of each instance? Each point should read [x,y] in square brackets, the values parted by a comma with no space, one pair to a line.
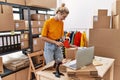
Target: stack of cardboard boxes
[107,40]
[102,20]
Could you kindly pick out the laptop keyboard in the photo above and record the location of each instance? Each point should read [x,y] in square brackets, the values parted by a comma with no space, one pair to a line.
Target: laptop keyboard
[73,65]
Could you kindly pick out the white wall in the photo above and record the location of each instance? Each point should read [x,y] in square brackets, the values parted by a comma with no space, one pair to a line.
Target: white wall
[82,11]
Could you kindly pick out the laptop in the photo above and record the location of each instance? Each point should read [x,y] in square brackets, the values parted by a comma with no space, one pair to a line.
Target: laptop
[84,57]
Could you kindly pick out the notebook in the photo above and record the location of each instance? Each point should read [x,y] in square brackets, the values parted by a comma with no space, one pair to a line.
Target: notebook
[84,57]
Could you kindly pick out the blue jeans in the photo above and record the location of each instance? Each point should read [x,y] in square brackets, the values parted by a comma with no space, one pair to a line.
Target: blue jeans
[52,52]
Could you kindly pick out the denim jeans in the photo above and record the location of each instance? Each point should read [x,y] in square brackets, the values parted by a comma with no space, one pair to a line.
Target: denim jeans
[52,52]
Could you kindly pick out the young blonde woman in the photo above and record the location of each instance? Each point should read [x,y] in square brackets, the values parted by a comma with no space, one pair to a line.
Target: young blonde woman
[52,33]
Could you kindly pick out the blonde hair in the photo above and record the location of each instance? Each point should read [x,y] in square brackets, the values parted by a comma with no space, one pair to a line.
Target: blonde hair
[62,9]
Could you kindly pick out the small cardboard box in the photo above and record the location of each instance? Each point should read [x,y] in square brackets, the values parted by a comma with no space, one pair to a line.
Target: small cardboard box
[20,25]
[70,53]
[24,36]
[116,22]
[37,24]
[1,66]
[102,23]
[21,2]
[38,17]
[24,44]
[102,12]
[2,0]
[42,3]
[116,7]
[89,71]
[36,30]
[6,18]
[38,44]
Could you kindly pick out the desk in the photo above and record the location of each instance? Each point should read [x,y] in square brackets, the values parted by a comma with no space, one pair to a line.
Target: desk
[107,64]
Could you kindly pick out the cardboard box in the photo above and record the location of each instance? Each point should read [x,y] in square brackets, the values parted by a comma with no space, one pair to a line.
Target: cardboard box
[42,3]
[70,53]
[24,44]
[37,24]
[106,42]
[1,66]
[20,25]
[102,12]
[21,2]
[116,7]
[36,30]
[38,17]
[89,71]
[38,44]
[102,23]
[6,18]
[116,22]
[24,36]
[2,0]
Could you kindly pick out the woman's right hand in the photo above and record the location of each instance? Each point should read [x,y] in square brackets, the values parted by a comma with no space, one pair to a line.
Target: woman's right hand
[59,44]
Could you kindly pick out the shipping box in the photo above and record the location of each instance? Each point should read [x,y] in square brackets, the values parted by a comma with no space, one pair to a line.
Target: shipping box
[24,44]
[70,53]
[102,23]
[38,17]
[116,22]
[38,44]
[21,2]
[102,12]
[2,0]
[21,25]
[116,7]
[89,71]
[42,3]
[37,24]
[6,18]
[1,66]
[106,42]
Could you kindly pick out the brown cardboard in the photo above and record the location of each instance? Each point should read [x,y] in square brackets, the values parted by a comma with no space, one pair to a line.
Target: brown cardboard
[70,53]
[102,12]
[2,0]
[116,8]
[6,22]
[24,44]
[116,72]
[1,66]
[36,30]
[38,44]
[21,2]
[6,18]
[20,25]
[38,17]
[89,71]
[42,3]
[102,23]
[116,22]
[24,36]
[106,42]
[7,9]
[37,24]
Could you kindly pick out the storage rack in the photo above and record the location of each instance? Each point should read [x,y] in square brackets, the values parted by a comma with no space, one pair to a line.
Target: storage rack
[21,11]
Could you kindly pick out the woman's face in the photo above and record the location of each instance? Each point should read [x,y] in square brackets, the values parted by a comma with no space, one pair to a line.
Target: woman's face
[62,16]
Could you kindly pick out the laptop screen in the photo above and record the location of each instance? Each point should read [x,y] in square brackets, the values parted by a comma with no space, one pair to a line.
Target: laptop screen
[84,56]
